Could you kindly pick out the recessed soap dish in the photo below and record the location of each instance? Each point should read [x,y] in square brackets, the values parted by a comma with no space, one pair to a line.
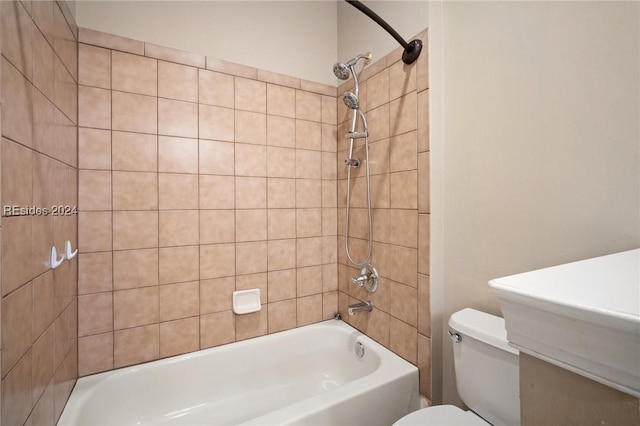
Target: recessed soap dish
[246,301]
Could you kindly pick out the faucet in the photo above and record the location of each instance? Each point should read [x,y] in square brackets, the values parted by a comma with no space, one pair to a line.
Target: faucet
[363,306]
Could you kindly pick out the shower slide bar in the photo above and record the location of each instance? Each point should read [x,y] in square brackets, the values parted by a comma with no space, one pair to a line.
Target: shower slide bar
[411,50]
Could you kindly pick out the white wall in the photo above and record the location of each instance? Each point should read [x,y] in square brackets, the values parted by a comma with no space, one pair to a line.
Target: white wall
[297,38]
[539,142]
[357,33]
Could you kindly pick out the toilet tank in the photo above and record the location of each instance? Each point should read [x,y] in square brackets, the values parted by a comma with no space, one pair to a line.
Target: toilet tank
[486,367]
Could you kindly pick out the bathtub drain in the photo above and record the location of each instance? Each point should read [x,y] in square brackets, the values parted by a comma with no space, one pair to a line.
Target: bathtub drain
[359,349]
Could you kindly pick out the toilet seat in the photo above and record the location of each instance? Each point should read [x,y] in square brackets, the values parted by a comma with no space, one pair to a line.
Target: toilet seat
[441,415]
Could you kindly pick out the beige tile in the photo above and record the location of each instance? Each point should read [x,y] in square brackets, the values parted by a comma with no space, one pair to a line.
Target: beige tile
[399,263]
[403,152]
[250,95]
[424,183]
[17,391]
[134,152]
[282,315]
[94,272]
[134,268]
[329,110]
[281,193]
[134,229]
[217,329]
[329,222]
[402,79]
[94,149]
[308,164]
[179,300]
[308,106]
[94,190]
[424,305]
[42,303]
[424,233]
[422,73]
[216,295]
[281,254]
[179,337]
[95,314]
[423,121]
[281,101]
[177,155]
[403,114]
[320,88]
[329,166]
[251,257]
[110,41]
[178,82]
[281,162]
[329,194]
[309,309]
[217,260]
[178,228]
[216,158]
[279,79]
[17,36]
[136,307]
[174,55]
[250,127]
[329,277]
[44,125]
[217,226]
[134,74]
[251,325]
[178,264]
[215,88]
[308,135]
[309,281]
[309,251]
[17,324]
[380,116]
[253,281]
[95,354]
[404,190]
[134,113]
[329,250]
[403,340]
[177,191]
[282,285]
[94,232]
[17,246]
[94,107]
[17,175]
[65,90]
[217,192]
[177,118]
[308,193]
[135,345]
[404,303]
[216,123]
[135,191]
[94,66]
[329,305]
[251,160]
[251,192]
[231,68]
[43,228]
[424,364]
[281,131]
[403,227]
[281,223]
[42,64]
[378,89]
[43,412]
[309,223]
[251,225]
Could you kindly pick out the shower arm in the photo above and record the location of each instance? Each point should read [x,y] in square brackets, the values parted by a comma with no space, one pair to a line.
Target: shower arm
[411,50]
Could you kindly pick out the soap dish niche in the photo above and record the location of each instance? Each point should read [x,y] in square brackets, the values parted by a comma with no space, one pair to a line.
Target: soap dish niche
[246,301]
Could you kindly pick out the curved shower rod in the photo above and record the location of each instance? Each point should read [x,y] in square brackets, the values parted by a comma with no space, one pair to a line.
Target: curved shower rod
[411,50]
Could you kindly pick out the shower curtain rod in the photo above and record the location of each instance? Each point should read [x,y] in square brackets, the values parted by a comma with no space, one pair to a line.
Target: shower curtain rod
[411,50]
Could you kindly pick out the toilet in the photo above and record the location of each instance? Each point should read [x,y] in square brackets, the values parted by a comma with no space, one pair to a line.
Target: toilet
[487,376]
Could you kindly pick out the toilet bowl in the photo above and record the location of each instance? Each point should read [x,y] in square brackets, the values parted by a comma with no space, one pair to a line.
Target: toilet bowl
[487,376]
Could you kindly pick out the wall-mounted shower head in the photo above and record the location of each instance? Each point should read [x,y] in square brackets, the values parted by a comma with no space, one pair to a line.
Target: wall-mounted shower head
[350,100]
[342,69]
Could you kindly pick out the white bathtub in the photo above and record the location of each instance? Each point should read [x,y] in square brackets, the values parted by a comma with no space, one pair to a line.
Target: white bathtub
[307,375]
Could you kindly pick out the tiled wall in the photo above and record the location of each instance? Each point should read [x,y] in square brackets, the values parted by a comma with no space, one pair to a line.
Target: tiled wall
[198,177]
[395,98]
[39,169]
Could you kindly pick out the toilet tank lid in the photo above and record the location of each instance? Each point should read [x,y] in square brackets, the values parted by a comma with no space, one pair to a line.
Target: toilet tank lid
[481,326]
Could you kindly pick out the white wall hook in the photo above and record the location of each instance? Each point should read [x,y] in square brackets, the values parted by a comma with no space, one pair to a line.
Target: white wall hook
[54,258]
[68,253]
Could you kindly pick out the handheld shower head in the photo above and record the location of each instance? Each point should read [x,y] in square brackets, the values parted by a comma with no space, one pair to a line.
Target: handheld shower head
[342,69]
[350,100]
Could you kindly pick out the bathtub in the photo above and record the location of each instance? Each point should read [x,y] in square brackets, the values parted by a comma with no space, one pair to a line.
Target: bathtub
[311,375]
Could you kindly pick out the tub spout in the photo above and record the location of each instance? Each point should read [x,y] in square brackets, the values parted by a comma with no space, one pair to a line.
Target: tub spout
[364,306]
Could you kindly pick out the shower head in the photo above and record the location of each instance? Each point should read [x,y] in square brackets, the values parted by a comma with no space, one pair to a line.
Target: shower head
[342,69]
[350,100]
